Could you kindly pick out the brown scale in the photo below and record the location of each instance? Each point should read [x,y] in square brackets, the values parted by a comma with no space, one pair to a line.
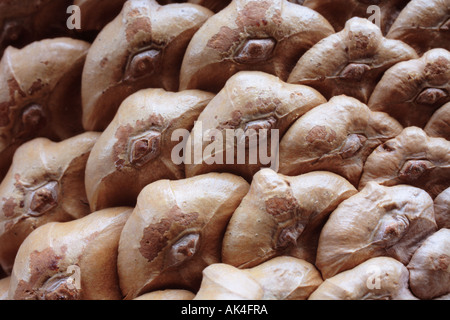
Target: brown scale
[137,145]
[351,61]
[282,216]
[142,47]
[336,136]
[171,238]
[73,260]
[376,221]
[423,24]
[45,184]
[40,93]
[413,90]
[248,35]
[412,158]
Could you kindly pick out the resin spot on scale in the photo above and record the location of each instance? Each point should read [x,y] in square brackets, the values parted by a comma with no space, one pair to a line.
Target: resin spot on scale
[143,64]
[430,96]
[255,51]
[354,71]
[289,235]
[183,249]
[145,148]
[259,129]
[391,230]
[44,199]
[33,119]
[59,287]
[414,169]
[352,145]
